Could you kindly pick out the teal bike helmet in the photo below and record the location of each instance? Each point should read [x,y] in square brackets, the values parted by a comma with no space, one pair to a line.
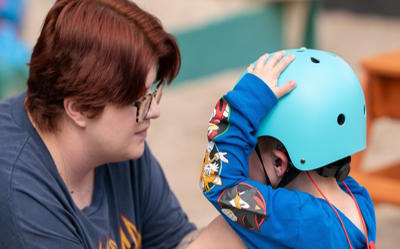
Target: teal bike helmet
[324,118]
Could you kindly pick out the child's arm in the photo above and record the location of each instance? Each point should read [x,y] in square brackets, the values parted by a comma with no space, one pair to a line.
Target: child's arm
[232,137]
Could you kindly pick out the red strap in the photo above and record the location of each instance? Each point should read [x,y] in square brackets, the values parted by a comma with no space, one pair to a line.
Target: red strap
[372,245]
[359,213]
[369,245]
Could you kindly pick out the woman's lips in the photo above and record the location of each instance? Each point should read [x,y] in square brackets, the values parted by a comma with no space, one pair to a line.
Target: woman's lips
[142,133]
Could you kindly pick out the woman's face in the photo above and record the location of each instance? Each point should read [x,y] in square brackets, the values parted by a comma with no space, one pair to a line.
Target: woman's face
[115,134]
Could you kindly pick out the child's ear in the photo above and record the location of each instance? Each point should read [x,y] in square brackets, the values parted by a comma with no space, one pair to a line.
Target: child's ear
[281,162]
[73,113]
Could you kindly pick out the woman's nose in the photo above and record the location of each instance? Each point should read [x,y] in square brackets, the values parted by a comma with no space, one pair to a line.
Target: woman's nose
[154,111]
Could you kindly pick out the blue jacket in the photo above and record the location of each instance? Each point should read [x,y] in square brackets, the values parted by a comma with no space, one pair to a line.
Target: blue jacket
[262,216]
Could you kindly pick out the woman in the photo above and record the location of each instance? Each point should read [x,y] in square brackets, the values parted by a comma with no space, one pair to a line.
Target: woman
[75,170]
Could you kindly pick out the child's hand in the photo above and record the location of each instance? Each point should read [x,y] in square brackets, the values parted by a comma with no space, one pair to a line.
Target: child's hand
[269,72]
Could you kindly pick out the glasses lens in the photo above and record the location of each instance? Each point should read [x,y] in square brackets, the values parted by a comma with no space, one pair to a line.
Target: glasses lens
[144,104]
[144,107]
[158,92]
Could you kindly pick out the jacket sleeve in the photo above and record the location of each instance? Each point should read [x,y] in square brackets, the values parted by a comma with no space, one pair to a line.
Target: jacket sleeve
[253,209]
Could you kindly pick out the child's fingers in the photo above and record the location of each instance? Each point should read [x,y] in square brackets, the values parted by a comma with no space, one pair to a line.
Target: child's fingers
[250,68]
[282,64]
[261,61]
[275,58]
[285,89]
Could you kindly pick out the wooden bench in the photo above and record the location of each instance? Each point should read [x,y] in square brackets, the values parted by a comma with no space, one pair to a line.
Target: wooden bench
[381,85]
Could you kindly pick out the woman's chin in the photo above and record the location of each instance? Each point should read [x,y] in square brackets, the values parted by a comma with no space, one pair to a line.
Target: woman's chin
[136,151]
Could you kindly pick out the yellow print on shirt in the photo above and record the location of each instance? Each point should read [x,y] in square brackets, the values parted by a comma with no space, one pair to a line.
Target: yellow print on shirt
[128,233]
[211,169]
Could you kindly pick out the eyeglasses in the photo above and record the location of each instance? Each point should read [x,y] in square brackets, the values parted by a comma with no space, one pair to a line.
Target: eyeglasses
[144,103]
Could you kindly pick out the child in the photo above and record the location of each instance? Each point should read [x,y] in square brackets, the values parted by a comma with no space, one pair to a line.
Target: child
[289,188]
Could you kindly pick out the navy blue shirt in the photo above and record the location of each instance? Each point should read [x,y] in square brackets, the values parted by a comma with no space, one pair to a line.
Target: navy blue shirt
[132,204]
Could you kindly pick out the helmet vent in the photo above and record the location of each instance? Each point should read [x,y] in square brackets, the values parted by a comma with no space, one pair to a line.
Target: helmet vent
[365,111]
[341,119]
[314,60]
[302,161]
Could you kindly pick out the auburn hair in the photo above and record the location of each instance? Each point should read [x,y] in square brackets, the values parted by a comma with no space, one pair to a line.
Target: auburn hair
[96,52]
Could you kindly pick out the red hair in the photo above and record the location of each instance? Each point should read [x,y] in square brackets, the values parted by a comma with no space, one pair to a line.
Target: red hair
[97,52]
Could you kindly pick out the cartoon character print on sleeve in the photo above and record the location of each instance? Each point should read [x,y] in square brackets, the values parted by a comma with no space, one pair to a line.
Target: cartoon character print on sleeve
[212,166]
[244,205]
[219,122]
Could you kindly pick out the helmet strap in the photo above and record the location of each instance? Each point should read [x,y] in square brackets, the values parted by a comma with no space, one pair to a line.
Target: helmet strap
[262,164]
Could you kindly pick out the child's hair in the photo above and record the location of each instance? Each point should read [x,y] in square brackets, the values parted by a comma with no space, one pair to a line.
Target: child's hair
[339,169]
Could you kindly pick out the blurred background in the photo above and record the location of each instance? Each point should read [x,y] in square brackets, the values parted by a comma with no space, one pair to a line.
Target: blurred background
[218,39]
